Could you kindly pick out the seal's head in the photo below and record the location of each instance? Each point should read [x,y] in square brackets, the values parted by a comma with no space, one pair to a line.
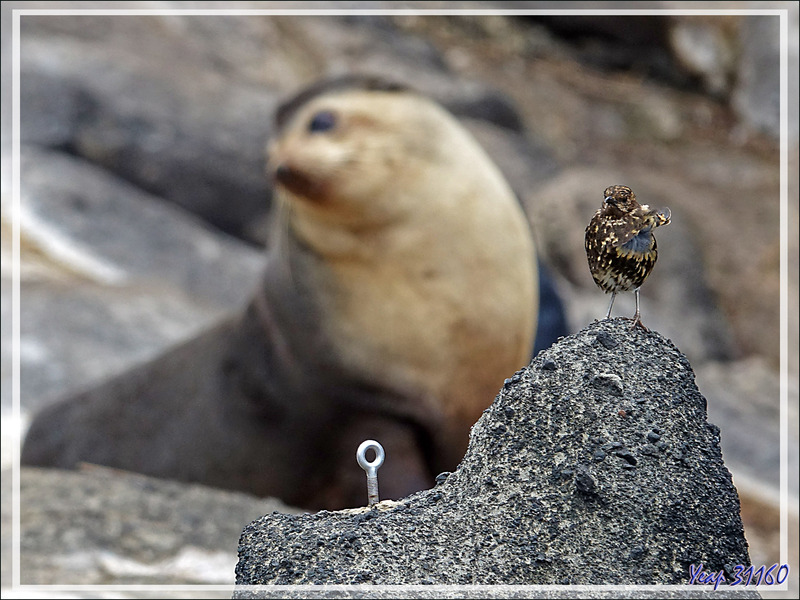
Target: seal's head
[324,137]
[343,143]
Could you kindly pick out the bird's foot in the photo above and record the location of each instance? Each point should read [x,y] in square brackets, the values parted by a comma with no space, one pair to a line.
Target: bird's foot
[637,322]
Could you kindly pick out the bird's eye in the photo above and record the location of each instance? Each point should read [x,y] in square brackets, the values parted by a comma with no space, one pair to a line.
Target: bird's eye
[324,120]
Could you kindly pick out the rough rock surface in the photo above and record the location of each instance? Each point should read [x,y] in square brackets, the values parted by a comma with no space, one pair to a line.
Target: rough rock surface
[150,272]
[594,465]
[104,526]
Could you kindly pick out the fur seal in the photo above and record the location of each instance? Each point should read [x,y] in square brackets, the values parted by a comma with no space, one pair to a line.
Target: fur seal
[400,290]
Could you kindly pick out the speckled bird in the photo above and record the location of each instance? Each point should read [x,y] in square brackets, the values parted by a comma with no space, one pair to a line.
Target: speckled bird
[620,244]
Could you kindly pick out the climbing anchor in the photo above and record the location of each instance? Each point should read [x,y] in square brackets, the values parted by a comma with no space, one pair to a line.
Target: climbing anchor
[371,468]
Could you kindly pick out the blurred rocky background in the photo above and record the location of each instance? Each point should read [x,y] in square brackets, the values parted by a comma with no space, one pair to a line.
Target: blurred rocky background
[144,210]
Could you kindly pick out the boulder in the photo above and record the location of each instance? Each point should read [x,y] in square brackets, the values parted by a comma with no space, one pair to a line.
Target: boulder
[98,526]
[594,465]
[112,276]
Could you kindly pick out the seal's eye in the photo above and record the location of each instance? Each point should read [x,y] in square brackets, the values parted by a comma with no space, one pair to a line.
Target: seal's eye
[324,120]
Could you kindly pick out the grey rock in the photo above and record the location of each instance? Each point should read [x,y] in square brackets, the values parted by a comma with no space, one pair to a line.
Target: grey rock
[529,504]
[99,526]
[745,397]
[524,160]
[138,237]
[128,276]
[609,382]
[482,592]
[610,42]
[74,337]
[194,135]
[756,97]
[706,48]
[492,107]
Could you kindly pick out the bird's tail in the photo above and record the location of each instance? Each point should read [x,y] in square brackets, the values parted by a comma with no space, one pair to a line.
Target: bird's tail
[663,217]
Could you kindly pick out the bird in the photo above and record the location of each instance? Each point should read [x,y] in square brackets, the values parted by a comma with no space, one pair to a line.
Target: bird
[620,245]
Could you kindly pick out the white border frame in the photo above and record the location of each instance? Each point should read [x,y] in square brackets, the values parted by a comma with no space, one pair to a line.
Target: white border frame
[367,589]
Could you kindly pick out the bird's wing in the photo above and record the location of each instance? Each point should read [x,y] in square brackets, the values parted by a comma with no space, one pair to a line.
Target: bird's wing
[635,228]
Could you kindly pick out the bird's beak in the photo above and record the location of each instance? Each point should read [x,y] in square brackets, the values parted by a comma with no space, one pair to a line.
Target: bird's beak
[608,200]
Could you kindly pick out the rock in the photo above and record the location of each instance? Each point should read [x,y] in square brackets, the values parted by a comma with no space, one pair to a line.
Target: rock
[99,525]
[756,97]
[525,161]
[706,48]
[99,226]
[112,275]
[742,396]
[732,58]
[193,135]
[637,43]
[532,502]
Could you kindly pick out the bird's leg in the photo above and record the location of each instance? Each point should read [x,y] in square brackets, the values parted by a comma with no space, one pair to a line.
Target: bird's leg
[637,318]
[610,304]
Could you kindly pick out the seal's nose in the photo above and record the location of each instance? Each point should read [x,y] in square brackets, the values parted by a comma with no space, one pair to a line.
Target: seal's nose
[294,180]
[282,173]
